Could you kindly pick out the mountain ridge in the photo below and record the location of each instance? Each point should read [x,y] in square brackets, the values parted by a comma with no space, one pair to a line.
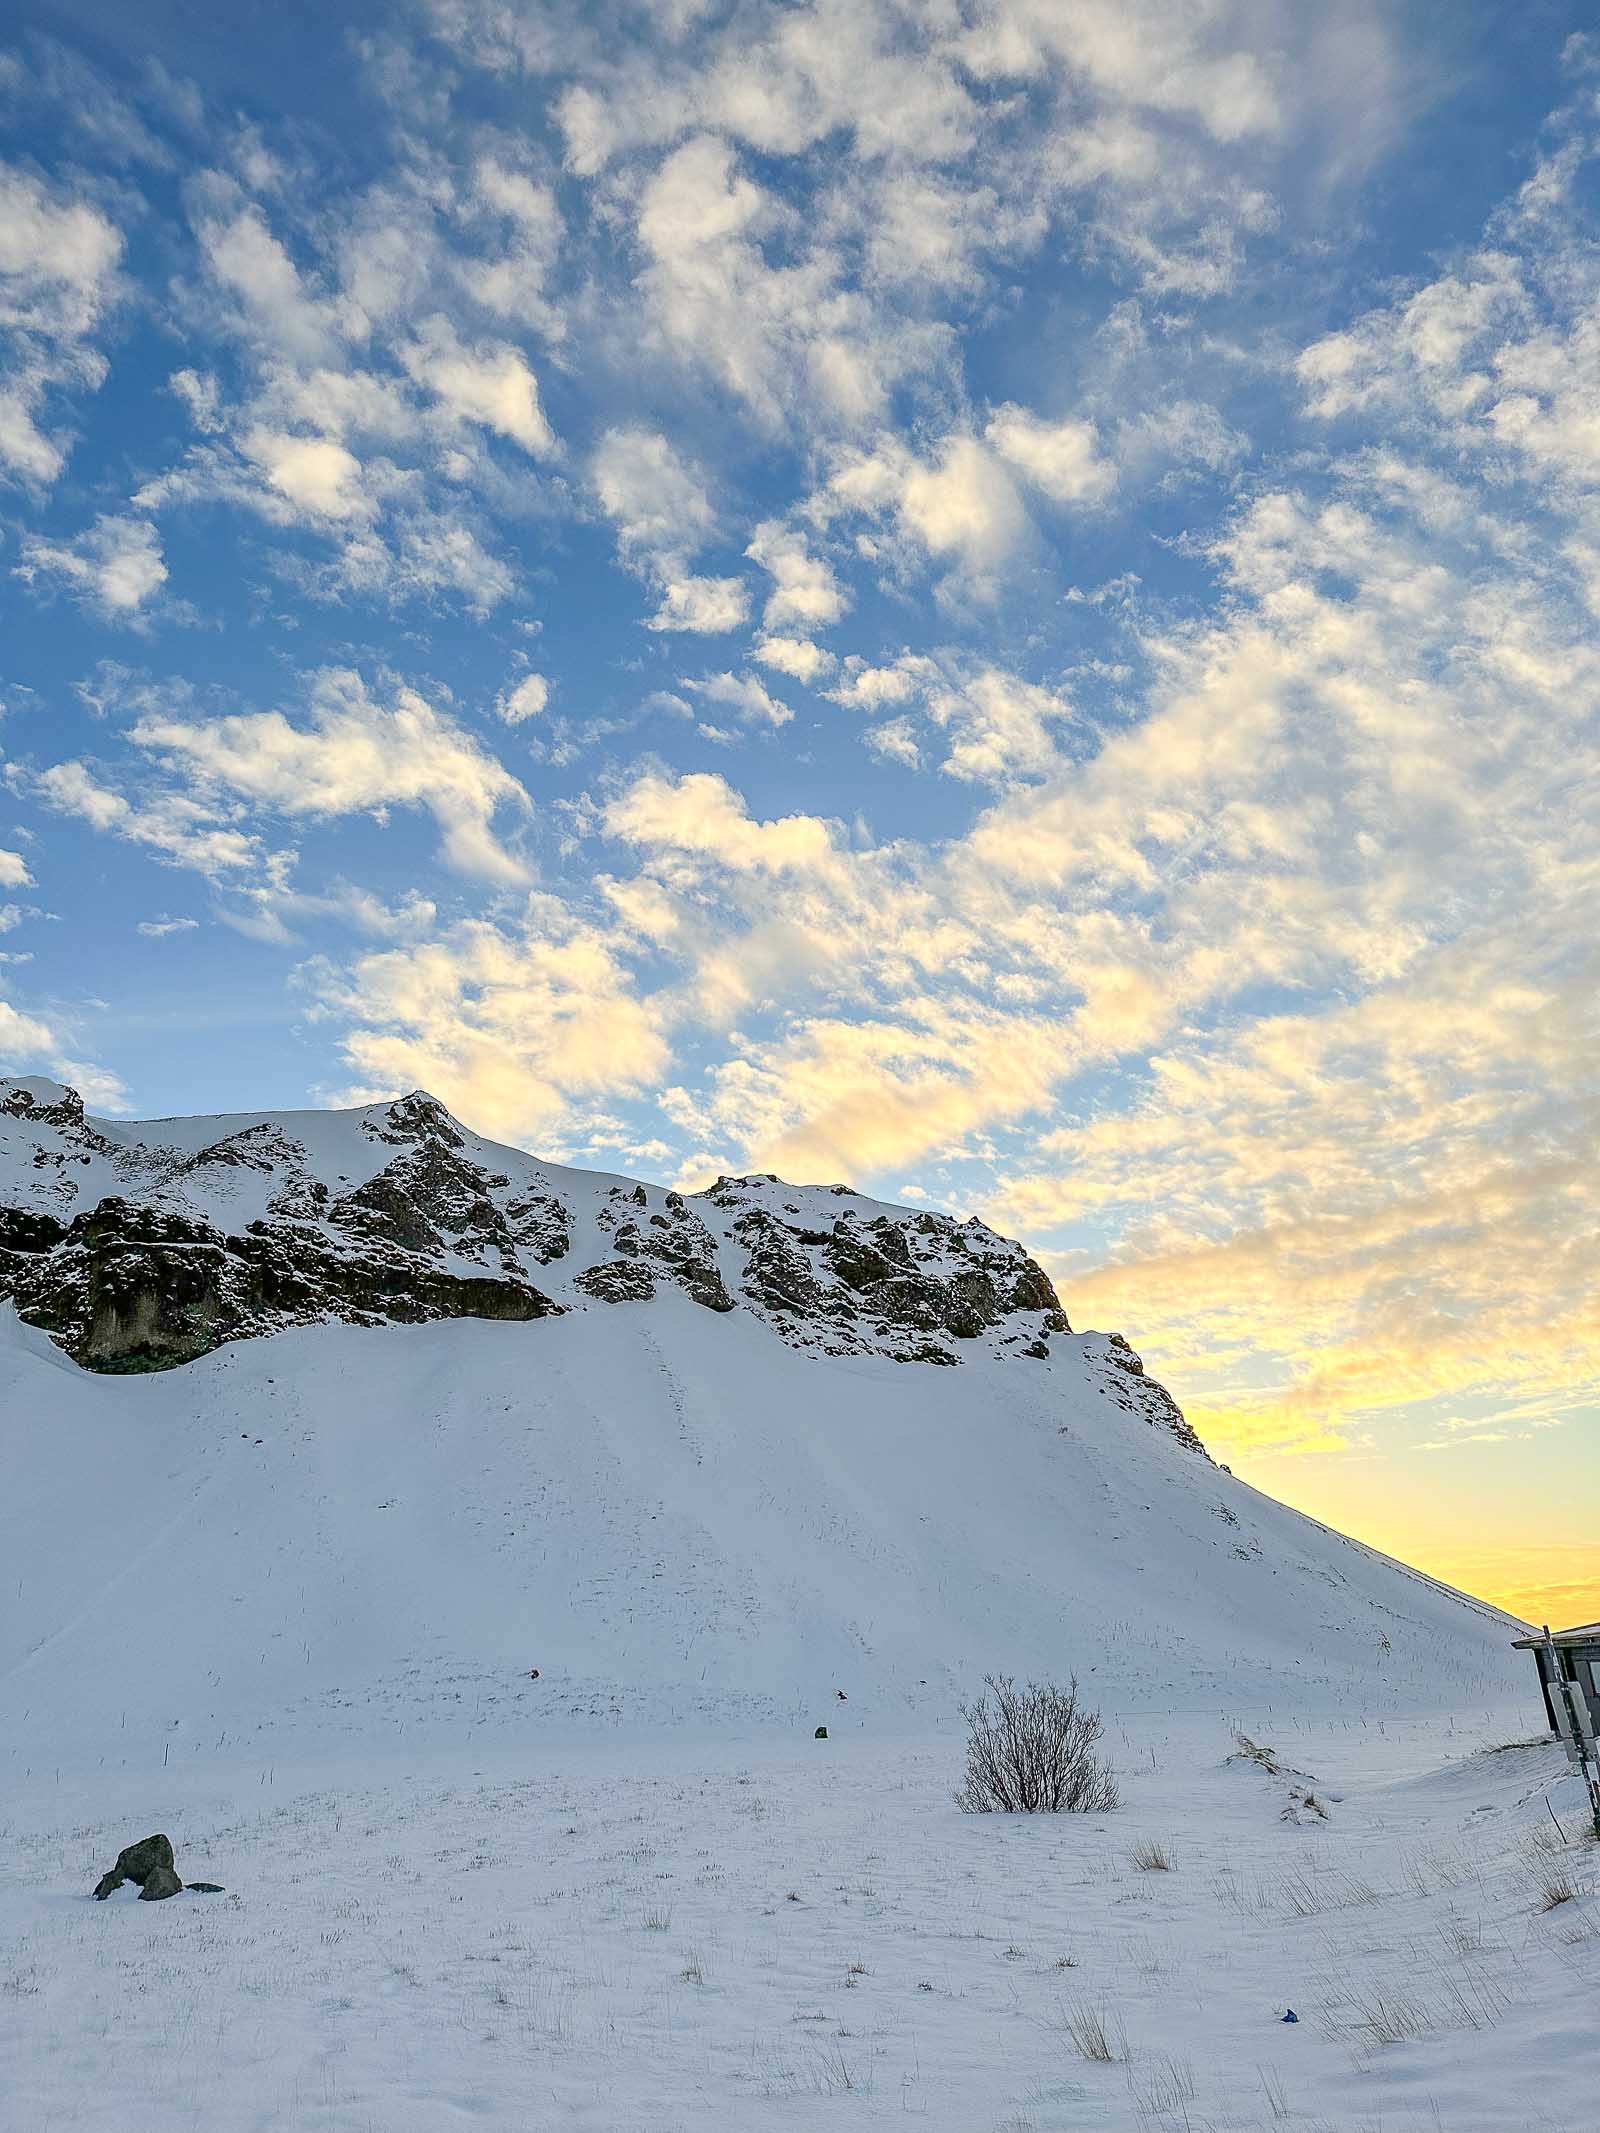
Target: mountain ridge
[144,1245]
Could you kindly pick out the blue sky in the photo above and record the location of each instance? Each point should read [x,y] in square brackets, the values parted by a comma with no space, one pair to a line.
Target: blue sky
[997,600]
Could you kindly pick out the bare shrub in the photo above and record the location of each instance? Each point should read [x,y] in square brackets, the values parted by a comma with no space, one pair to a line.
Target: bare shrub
[1151,1857]
[1030,1751]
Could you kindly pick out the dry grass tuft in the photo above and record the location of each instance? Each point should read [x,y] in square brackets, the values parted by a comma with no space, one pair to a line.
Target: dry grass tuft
[1095,2034]
[1555,1884]
[1151,1857]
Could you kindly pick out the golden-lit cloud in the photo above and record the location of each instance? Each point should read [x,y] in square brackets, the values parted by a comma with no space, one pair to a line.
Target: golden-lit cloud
[516,1031]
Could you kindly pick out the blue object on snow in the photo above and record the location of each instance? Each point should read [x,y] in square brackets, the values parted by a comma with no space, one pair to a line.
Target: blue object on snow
[1291,2016]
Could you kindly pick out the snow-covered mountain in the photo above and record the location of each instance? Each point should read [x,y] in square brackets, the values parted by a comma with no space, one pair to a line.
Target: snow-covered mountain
[440,1414]
[143,1246]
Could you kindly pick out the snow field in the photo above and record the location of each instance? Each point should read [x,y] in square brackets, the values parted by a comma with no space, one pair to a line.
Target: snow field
[765,1937]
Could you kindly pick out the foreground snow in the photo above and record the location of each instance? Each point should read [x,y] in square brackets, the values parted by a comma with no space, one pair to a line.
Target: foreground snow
[658,1937]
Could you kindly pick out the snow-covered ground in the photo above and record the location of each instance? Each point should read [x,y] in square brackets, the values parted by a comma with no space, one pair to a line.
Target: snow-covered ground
[285,1603]
[663,1935]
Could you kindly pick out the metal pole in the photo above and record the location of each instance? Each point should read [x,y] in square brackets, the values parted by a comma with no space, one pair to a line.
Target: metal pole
[1575,1725]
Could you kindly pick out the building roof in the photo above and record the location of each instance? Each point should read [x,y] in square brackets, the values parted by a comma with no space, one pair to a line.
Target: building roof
[1586,1633]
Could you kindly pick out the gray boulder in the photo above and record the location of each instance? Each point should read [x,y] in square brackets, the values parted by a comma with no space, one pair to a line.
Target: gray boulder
[137,1862]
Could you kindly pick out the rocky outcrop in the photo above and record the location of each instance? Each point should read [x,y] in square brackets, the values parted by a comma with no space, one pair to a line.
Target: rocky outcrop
[673,1240]
[126,1287]
[141,1247]
[890,1282]
[617,1281]
[1129,1387]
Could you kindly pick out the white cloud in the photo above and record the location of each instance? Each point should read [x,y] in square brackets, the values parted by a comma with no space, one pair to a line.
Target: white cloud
[315,475]
[185,830]
[159,929]
[867,688]
[663,515]
[796,656]
[1060,459]
[511,279]
[707,607]
[28,1041]
[199,393]
[356,756]
[362,405]
[116,566]
[656,500]
[895,739]
[436,552]
[511,1027]
[961,505]
[697,198]
[490,384]
[59,260]
[702,814]
[806,591]
[1150,54]
[736,289]
[258,282]
[744,695]
[999,727]
[14,873]
[523,699]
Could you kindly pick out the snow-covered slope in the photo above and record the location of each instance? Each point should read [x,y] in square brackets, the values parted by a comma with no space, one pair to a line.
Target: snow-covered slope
[679,1511]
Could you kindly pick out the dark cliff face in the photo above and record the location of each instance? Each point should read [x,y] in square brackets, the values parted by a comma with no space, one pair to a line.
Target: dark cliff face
[138,1279]
[142,1247]
[134,1288]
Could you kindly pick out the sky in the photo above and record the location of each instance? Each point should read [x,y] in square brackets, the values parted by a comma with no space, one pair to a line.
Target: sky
[992,598]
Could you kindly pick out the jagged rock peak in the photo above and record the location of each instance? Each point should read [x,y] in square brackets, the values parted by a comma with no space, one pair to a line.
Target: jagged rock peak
[32,1096]
[138,1246]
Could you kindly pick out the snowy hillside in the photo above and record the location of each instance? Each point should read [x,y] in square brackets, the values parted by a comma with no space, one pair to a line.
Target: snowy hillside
[706,1489]
[467,1604]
